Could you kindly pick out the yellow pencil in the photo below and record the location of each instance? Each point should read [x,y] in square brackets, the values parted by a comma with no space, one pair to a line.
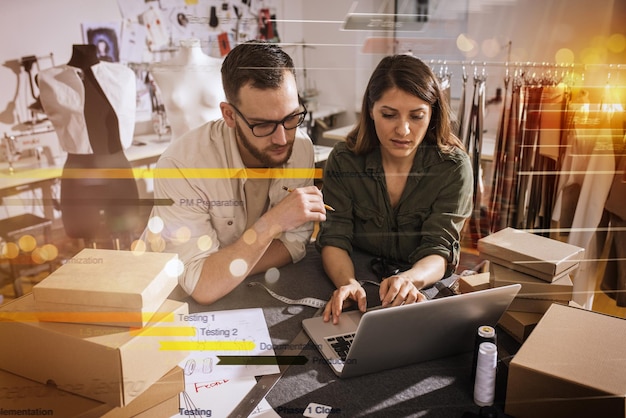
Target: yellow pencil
[328,207]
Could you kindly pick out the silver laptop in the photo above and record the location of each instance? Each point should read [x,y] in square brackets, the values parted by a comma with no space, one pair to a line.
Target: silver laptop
[385,338]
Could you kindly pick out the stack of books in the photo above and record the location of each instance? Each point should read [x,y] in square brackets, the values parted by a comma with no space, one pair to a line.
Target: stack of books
[543,266]
[89,340]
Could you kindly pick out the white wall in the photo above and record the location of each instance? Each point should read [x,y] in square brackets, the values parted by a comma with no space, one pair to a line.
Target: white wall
[336,64]
[337,67]
[39,27]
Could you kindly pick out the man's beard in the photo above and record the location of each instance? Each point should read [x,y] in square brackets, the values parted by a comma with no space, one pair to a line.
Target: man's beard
[262,157]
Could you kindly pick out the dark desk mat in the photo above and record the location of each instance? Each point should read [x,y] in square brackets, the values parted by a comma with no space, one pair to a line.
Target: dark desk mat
[439,388]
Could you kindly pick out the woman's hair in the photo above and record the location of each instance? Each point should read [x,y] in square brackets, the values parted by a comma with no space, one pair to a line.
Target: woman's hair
[412,76]
[259,63]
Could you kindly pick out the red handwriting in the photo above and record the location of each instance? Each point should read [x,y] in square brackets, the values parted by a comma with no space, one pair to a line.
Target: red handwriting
[209,385]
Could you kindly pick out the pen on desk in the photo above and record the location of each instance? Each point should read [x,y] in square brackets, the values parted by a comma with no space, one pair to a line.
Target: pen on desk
[328,207]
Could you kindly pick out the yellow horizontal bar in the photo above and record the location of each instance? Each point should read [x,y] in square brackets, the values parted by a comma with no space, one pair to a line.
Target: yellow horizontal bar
[87,317]
[164,331]
[172,173]
[207,345]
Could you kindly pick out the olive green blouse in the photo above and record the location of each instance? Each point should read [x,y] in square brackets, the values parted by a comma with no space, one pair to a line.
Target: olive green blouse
[427,220]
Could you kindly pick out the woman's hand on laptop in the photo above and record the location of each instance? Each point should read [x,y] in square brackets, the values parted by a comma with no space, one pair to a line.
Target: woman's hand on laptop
[343,296]
[399,290]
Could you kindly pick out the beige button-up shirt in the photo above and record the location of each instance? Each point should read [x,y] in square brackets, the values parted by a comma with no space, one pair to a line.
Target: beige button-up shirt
[203,174]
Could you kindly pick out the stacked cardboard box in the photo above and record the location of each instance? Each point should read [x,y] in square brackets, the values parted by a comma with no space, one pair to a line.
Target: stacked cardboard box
[28,398]
[120,288]
[572,365]
[541,265]
[98,329]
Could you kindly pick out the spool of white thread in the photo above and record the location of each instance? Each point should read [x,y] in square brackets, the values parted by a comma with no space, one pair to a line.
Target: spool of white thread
[484,334]
[485,384]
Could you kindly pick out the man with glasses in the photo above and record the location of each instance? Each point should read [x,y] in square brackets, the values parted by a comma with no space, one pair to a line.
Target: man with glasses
[231,216]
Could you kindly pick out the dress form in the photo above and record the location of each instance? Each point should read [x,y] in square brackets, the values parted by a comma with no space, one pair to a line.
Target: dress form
[191,87]
[100,118]
[91,104]
[86,115]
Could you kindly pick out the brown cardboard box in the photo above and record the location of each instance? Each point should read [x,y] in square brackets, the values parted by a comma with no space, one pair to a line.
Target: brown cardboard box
[473,282]
[572,365]
[542,257]
[532,305]
[532,287]
[519,324]
[120,288]
[523,268]
[30,398]
[109,364]
[166,409]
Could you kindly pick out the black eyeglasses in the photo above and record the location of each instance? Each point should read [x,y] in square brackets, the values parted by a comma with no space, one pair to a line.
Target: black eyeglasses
[267,128]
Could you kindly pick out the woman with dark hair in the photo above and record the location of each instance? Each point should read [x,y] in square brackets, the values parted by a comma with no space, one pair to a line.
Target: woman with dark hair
[401,186]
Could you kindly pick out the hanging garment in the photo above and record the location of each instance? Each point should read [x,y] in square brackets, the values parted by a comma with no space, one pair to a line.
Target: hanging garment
[551,120]
[498,162]
[477,223]
[545,154]
[503,200]
[527,156]
[591,164]
[511,164]
[614,279]
[460,114]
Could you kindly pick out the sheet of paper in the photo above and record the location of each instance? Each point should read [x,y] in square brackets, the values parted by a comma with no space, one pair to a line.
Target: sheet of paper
[264,410]
[237,332]
[219,398]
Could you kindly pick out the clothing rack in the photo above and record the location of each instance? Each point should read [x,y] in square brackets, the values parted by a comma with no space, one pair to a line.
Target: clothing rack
[524,182]
[524,64]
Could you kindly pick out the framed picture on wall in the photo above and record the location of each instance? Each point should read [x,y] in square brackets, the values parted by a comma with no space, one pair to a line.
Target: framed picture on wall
[105,36]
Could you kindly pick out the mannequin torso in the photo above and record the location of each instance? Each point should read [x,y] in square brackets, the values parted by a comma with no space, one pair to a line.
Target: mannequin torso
[100,118]
[191,87]
[92,107]
[91,104]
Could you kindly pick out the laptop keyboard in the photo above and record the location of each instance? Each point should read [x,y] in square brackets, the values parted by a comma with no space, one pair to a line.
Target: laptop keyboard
[341,344]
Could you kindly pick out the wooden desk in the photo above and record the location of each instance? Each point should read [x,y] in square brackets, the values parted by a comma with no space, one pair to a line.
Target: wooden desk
[338,134]
[31,174]
[437,388]
[322,111]
[29,171]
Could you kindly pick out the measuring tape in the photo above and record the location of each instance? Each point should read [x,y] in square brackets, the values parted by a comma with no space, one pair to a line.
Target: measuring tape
[312,302]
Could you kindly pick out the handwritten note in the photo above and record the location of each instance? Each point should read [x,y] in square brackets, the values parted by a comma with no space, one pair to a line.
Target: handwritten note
[219,398]
[237,332]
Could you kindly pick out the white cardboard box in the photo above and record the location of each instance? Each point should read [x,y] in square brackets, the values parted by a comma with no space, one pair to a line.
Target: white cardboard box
[120,288]
[573,364]
[544,258]
[109,364]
